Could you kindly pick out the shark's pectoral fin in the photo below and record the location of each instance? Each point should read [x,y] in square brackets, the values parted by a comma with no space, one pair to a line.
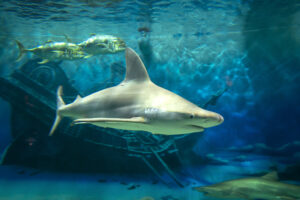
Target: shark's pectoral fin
[110,120]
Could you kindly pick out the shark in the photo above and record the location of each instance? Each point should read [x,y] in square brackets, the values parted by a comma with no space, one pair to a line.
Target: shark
[137,104]
[266,187]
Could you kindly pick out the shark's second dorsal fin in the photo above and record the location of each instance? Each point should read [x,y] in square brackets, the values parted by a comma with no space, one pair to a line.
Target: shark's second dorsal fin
[135,69]
[272,176]
[77,98]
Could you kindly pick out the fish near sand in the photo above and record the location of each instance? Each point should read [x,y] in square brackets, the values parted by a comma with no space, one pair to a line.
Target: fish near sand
[266,187]
[102,44]
[137,104]
[54,51]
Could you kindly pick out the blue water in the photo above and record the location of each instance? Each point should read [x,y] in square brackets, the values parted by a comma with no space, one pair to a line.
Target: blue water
[193,48]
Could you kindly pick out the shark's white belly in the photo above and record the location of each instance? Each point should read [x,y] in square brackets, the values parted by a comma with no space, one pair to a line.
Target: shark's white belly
[155,128]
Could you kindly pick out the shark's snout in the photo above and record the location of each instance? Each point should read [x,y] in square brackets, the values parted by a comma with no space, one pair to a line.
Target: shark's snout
[210,119]
[220,119]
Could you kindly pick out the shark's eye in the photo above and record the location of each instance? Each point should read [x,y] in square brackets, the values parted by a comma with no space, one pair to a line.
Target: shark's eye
[191,116]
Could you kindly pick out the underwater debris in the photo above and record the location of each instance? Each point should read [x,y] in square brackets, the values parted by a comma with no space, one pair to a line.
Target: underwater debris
[265,187]
[214,98]
[212,159]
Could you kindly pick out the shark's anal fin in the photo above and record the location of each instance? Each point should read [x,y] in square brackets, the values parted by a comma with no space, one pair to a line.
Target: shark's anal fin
[108,120]
[77,98]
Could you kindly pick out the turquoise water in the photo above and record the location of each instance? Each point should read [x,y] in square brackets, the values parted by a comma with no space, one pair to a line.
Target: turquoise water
[238,58]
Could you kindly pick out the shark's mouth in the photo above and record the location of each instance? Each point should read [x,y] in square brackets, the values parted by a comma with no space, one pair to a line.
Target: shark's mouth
[196,126]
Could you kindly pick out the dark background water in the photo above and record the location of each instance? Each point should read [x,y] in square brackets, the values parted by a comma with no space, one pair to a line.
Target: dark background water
[193,48]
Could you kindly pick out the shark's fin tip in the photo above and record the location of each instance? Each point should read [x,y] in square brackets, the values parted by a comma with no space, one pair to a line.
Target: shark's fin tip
[135,69]
[77,98]
[60,103]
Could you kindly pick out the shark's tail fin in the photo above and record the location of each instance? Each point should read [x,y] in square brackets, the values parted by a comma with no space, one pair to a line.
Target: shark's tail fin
[22,50]
[60,103]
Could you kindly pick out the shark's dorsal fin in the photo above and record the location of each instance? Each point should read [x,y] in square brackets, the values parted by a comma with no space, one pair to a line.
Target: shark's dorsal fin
[77,98]
[272,176]
[135,68]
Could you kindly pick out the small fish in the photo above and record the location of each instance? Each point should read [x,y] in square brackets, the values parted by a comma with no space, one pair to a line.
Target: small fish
[132,187]
[54,51]
[123,183]
[102,44]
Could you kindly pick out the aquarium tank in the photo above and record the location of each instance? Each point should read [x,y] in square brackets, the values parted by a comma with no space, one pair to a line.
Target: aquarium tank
[150,99]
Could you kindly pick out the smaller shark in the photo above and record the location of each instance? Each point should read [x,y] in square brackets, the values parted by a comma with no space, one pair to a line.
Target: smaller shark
[266,187]
[137,104]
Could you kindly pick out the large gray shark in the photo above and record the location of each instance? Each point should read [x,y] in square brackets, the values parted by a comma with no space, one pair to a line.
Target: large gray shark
[266,187]
[137,104]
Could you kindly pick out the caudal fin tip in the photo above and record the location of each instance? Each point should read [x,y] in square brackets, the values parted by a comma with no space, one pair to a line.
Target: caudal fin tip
[55,124]
[51,133]
[60,103]
[21,49]
[60,90]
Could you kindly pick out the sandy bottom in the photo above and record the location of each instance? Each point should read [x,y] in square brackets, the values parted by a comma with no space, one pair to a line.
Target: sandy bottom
[26,184]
